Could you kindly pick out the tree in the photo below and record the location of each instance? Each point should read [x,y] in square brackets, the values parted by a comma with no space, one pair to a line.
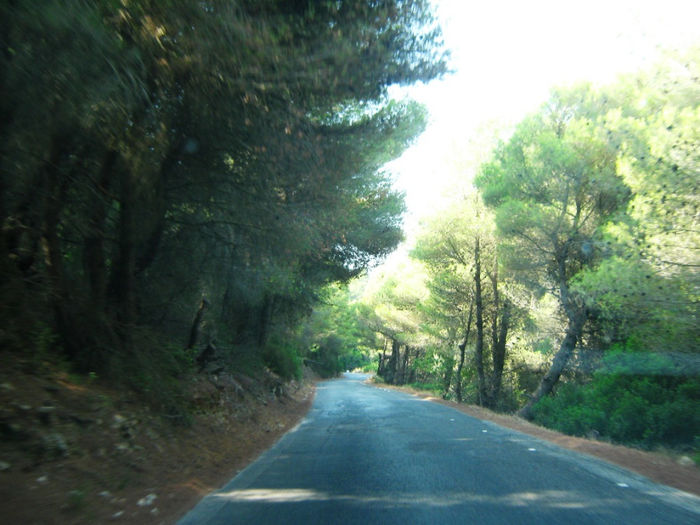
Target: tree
[391,298]
[553,185]
[155,153]
[335,336]
[642,298]
[458,248]
[656,245]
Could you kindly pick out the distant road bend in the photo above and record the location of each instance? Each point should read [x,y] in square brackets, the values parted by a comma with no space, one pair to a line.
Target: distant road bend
[368,455]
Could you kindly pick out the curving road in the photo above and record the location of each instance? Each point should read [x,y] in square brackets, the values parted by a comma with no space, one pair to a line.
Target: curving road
[368,455]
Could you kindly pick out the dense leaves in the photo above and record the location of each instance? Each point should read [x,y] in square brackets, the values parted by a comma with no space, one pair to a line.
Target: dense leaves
[154,153]
[639,398]
[553,185]
[574,296]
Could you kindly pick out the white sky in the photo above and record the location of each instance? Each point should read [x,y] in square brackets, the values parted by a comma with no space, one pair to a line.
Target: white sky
[508,54]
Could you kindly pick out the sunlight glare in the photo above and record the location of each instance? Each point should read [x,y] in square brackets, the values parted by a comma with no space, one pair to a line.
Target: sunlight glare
[506,56]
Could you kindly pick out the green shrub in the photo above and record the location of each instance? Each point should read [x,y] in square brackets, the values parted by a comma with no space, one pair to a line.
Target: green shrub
[431,387]
[282,358]
[674,423]
[568,412]
[156,370]
[629,419]
[370,368]
[633,398]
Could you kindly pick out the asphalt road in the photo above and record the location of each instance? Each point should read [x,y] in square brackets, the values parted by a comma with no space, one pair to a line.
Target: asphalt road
[368,455]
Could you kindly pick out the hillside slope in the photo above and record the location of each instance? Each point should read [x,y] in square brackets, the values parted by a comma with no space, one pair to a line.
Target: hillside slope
[75,451]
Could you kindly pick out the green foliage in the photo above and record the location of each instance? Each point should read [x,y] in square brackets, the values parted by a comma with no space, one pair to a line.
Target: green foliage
[337,336]
[324,358]
[43,343]
[633,398]
[369,368]
[355,358]
[648,287]
[157,371]
[392,298]
[436,388]
[553,185]
[595,202]
[281,356]
[152,153]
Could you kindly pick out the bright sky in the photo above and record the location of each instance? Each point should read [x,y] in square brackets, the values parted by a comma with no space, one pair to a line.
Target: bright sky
[508,54]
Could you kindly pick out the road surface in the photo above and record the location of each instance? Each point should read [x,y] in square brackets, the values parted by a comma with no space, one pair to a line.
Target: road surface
[369,455]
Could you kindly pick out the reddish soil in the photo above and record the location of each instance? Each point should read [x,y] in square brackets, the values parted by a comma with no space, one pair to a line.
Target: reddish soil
[662,468]
[98,455]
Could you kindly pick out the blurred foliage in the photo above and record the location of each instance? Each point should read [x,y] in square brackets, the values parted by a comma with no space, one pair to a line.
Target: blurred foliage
[633,397]
[155,153]
[281,356]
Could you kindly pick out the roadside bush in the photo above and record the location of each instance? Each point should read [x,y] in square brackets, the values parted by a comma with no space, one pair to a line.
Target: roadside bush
[674,423]
[655,407]
[568,412]
[282,358]
[437,388]
[629,419]
[353,359]
[370,368]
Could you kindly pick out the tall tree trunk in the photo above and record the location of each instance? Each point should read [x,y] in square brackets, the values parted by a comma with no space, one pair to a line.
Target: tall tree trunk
[197,323]
[499,353]
[404,365]
[393,363]
[561,358]
[55,190]
[496,305]
[576,318]
[381,366]
[462,352]
[23,222]
[226,310]
[412,374]
[479,350]
[157,209]
[123,283]
[447,378]
[55,187]
[94,251]
[265,320]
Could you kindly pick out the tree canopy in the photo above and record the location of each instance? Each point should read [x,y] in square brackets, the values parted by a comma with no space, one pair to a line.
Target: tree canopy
[157,153]
[565,285]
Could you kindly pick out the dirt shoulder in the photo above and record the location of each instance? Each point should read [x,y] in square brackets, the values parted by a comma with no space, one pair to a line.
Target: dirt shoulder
[653,465]
[73,453]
